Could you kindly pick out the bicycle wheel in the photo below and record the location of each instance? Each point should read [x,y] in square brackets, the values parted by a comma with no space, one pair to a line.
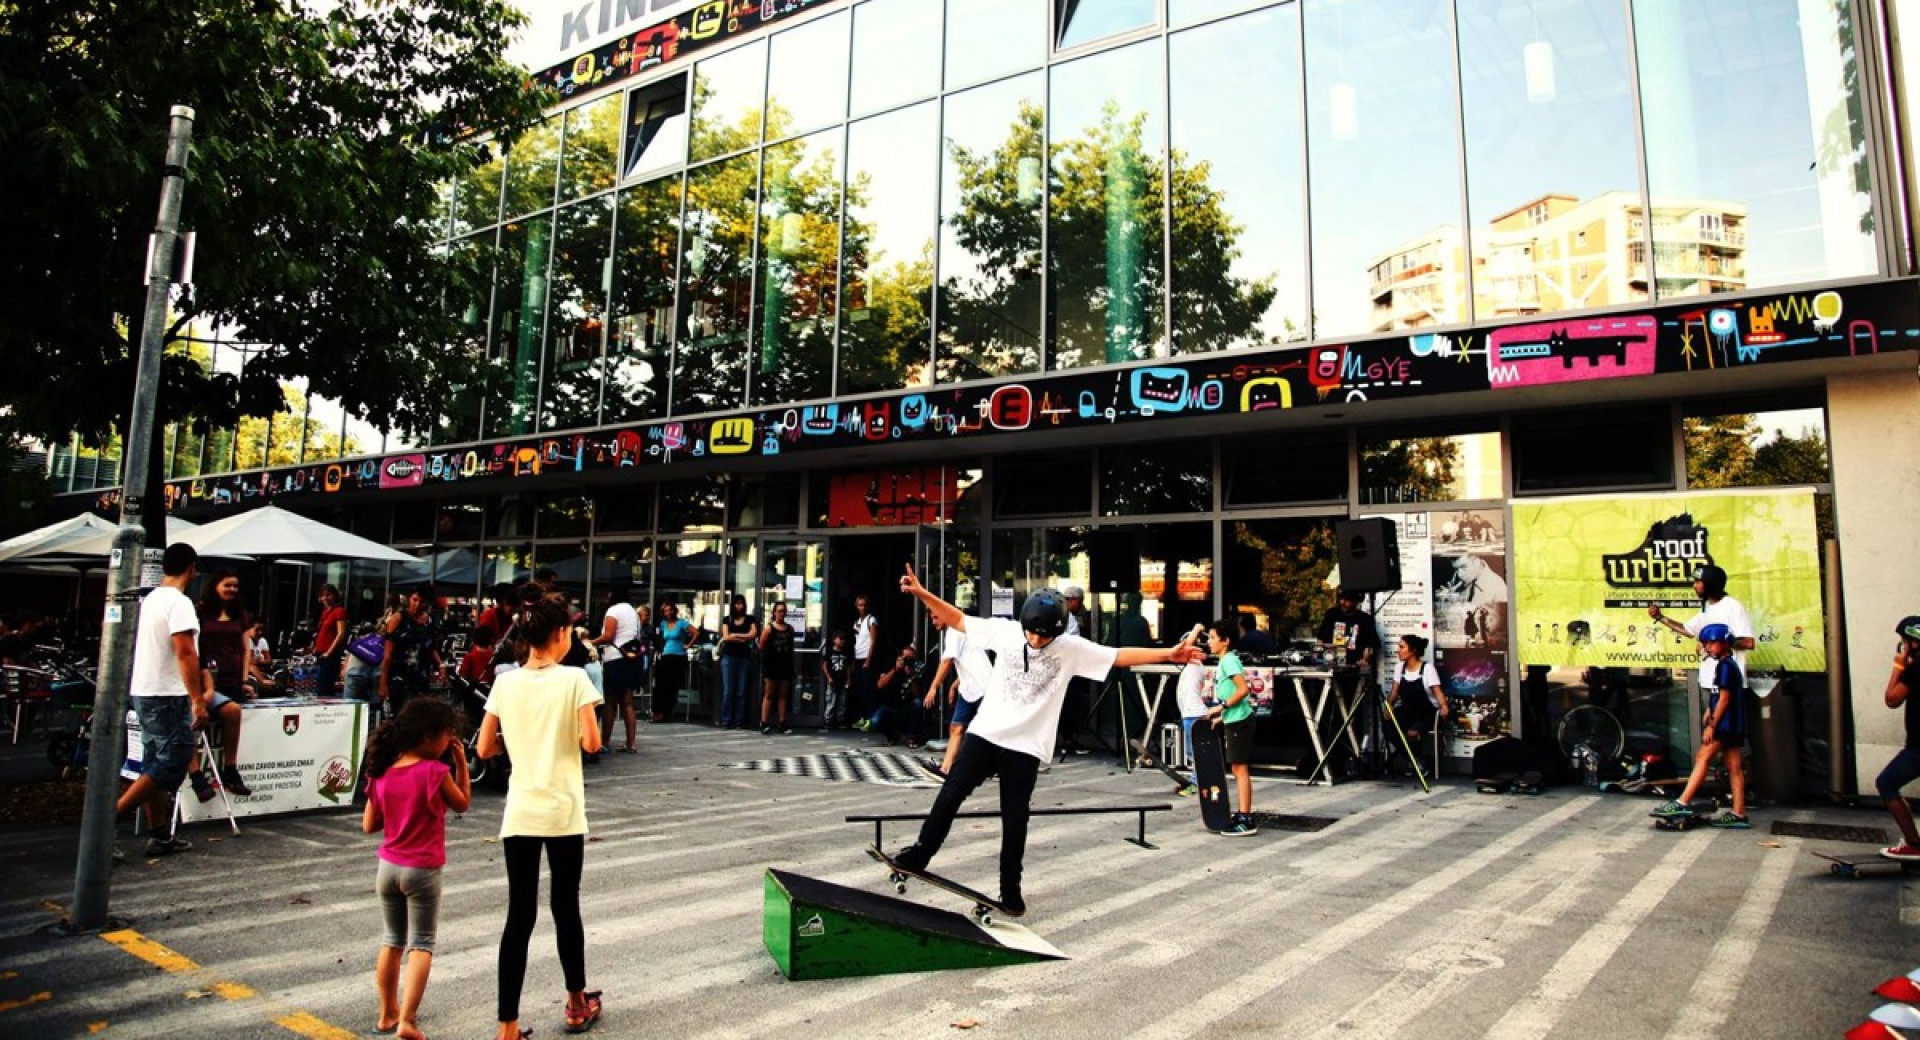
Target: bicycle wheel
[1591,726]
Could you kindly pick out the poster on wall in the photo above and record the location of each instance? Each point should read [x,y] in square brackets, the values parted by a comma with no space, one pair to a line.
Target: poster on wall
[1409,610]
[1471,594]
[1589,567]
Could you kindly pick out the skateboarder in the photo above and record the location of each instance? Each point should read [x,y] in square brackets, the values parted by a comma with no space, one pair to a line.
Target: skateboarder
[1725,730]
[1019,714]
[1710,584]
[1905,767]
[1236,721]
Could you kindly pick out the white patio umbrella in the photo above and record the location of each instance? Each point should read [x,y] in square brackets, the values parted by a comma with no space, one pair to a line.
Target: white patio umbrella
[95,546]
[53,536]
[270,531]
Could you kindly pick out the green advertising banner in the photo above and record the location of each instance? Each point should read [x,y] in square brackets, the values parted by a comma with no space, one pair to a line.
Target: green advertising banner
[1586,570]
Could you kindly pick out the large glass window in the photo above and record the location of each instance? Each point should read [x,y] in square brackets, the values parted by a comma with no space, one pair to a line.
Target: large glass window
[645,261]
[1554,187]
[519,319]
[476,198]
[1757,444]
[1595,448]
[624,510]
[807,78]
[896,53]
[1106,250]
[1043,485]
[1285,466]
[693,505]
[593,140]
[1083,21]
[1187,12]
[1240,230]
[1382,134]
[893,184]
[1430,466]
[716,297]
[533,163]
[1139,480]
[1276,570]
[799,269]
[988,38]
[577,315]
[728,91]
[991,188]
[656,127]
[1734,206]
[468,294]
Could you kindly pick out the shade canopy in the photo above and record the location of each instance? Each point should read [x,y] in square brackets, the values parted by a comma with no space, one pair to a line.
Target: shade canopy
[270,531]
[96,546]
[48,539]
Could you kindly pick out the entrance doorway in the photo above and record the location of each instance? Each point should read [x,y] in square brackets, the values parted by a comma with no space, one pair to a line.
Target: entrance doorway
[870,565]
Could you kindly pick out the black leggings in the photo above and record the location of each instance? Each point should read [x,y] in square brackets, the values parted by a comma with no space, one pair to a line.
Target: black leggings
[978,759]
[565,855]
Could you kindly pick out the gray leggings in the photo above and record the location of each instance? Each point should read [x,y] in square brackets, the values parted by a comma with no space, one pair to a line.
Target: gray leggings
[410,902]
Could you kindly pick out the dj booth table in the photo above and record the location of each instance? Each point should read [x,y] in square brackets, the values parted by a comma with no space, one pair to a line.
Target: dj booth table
[1323,706]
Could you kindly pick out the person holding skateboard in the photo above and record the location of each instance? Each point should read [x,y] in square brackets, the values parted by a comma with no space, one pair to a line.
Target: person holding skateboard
[1905,767]
[1019,714]
[1235,714]
[1724,731]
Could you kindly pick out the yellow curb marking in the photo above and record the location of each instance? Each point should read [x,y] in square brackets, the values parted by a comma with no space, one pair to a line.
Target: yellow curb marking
[234,990]
[148,950]
[96,1027]
[9,1005]
[308,1026]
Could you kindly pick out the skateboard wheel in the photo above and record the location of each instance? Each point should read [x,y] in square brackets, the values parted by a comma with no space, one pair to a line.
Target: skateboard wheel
[900,887]
[1837,870]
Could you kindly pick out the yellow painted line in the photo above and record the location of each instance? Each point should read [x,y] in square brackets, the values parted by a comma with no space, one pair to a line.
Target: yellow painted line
[148,950]
[234,990]
[96,1027]
[11,1005]
[315,1029]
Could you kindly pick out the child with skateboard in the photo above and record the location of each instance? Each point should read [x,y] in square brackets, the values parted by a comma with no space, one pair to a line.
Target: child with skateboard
[968,672]
[1235,711]
[1724,731]
[836,672]
[412,781]
[1905,767]
[1019,714]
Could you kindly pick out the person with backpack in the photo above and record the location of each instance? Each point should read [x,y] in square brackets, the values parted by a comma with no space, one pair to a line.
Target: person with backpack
[416,771]
[1724,731]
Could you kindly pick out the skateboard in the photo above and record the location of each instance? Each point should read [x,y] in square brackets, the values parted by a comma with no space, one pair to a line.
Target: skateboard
[1856,867]
[1210,767]
[1498,783]
[1143,757]
[1527,783]
[983,907]
[1698,818]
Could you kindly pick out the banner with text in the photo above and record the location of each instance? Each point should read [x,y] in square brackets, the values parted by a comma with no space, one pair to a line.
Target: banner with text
[1588,568]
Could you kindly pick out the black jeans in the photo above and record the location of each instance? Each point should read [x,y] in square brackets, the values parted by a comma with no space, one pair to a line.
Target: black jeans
[565,858]
[977,760]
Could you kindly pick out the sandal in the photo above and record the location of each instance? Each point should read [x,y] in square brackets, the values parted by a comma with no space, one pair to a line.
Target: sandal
[583,1020]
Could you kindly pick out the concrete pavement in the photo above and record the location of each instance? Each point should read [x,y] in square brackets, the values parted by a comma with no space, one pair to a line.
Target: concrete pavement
[1450,914]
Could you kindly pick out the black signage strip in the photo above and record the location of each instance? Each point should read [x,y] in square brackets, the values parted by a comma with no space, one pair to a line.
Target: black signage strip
[708,25]
[1708,337]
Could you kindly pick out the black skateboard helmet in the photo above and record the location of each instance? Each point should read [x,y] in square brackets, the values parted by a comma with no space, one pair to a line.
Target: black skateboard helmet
[1909,627]
[1044,614]
[1713,580]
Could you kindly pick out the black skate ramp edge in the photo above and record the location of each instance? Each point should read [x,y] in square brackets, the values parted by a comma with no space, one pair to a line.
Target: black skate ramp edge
[871,905]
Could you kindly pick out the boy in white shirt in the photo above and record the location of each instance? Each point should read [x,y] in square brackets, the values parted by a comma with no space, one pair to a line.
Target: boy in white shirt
[1034,660]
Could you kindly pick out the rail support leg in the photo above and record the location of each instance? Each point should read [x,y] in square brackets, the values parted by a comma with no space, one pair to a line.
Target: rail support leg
[1142,839]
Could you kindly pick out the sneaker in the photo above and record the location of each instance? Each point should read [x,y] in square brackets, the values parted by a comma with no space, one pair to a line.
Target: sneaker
[1011,901]
[1672,809]
[863,725]
[1902,851]
[1729,821]
[119,857]
[167,846]
[1187,790]
[913,857]
[766,731]
[202,786]
[786,730]
[231,780]
[1241,826]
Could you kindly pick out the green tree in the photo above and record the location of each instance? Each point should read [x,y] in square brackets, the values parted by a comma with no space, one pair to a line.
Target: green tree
[1793,460]
[322,131]
[1411,469]
[1720,450]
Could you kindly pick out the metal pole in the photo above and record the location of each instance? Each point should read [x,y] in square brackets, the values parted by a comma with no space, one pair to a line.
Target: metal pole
[93,876]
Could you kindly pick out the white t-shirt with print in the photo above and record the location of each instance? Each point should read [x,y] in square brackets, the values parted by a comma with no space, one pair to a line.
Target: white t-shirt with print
[626,628]
[165,612]
[975,671]
[1021,709]
[1190,690]
[863,636]
[539,711]
[1731,613]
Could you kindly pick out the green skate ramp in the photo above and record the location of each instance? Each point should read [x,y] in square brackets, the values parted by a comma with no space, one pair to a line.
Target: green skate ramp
[819,930]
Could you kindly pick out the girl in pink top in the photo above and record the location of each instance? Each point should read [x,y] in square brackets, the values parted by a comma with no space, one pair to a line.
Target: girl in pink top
[416,771]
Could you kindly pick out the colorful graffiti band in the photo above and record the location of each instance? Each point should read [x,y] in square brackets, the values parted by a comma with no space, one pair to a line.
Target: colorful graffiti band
[705,26]
[1722,335]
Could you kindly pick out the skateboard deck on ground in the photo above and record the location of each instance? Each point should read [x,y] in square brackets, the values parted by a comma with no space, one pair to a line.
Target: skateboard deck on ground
[1699,818]
[1527,783]
[1858,866]
[1144,757]
[984,907]
[1498,783]
[1210,767]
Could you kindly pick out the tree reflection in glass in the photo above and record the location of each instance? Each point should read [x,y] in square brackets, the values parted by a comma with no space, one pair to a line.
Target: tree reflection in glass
[992,187]
[577,312]
[893,180]
[799,268]
[641,333]
[716,295]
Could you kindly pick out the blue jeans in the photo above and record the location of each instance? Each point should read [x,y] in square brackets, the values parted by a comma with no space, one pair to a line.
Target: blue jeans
[1901,771]
[735,670]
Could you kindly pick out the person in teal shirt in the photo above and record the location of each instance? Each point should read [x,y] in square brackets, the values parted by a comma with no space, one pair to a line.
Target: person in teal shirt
[1235,719]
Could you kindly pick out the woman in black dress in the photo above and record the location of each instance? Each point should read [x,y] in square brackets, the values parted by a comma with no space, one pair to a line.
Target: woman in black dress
[776,671]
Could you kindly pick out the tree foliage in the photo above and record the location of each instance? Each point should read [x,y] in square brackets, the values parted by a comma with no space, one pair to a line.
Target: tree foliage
[1726,451]
[321,134]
